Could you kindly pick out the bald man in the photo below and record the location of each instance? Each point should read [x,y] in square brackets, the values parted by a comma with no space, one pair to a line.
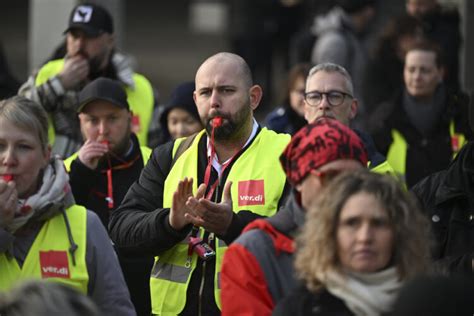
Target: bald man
[196,194]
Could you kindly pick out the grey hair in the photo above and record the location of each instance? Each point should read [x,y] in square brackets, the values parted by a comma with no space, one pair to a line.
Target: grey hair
[46,298]
[331,68]
[28,115]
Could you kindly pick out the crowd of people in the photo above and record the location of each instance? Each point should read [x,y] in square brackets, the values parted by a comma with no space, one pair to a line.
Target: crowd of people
[336,204]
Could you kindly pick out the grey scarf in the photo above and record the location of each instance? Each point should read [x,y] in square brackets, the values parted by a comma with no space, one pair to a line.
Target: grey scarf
[53,196]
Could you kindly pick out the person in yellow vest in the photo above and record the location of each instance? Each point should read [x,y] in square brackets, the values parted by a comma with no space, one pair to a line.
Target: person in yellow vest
[43,233]
[426,124]
[90,54]
[108,163]
[330,93]
[234,162]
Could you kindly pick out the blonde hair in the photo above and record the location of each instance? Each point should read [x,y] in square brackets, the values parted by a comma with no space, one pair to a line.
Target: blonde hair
[317,245]
[27,115]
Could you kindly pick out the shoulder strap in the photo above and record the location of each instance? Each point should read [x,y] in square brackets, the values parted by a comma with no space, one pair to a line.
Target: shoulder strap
[185,144]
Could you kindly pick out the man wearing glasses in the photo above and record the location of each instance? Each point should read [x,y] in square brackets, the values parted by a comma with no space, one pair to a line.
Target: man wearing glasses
[330,93]
[258,267]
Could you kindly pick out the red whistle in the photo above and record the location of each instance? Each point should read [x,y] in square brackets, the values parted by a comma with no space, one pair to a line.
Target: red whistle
[105,142]
[7,177]
[217,121]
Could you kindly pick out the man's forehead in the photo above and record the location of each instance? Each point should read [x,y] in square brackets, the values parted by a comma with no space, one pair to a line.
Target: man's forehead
[333,80]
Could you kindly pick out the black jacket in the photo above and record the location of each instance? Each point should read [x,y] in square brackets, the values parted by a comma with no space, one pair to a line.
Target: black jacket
[302,302]
[141,225]
[426,153]
[90,189]
[447,198]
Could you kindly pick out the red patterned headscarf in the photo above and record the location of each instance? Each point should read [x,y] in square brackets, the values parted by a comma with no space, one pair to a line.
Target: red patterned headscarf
[318,143]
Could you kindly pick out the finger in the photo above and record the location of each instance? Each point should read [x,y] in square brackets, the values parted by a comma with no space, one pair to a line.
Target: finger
[195,220]
[201,191]
[227,198]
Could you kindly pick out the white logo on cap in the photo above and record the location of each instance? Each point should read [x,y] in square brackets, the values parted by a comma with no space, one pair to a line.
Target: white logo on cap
[83,14]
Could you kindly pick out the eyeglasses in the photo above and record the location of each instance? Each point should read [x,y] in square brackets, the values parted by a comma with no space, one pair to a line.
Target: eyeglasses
[326,176]
[335,98]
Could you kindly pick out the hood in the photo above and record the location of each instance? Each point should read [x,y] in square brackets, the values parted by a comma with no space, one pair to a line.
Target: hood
[333,20]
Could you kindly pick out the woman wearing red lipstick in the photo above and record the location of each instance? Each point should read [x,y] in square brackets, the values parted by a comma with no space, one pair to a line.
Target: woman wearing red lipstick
[361,241]
[43,233]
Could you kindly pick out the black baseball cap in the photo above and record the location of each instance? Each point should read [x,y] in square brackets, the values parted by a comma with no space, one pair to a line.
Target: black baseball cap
[90,18]
[103,89]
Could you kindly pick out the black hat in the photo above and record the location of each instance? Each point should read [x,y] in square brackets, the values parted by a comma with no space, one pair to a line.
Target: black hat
[90,18]
[103,89]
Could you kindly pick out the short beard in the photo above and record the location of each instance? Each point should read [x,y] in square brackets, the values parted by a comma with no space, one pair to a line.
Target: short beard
[231,128]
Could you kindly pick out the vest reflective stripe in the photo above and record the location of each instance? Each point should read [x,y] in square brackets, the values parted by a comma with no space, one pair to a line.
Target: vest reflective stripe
[52,240]
[397,153]
[169,287]
[146,152]
[140,99]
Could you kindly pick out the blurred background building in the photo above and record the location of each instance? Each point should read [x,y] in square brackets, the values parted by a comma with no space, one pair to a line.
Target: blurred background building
[169,39]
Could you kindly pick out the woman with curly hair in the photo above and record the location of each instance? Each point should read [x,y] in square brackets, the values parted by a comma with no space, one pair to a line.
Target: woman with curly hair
[363,238]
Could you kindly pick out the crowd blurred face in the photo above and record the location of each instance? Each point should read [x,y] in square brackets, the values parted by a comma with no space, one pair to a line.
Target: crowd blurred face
[96,50]
[221,90]
[22,155]
[182,124]
[364,235]
[421,74]
[419,8]
[297,96]
[312,184]
[326,82]
[103,121]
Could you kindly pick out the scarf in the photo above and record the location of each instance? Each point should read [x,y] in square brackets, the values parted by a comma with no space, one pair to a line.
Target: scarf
[365,294]
[53,196]
[425,115]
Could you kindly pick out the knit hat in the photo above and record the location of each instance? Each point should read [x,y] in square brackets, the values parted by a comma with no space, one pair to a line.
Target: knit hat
[90,18]
[317,144]
[181,98]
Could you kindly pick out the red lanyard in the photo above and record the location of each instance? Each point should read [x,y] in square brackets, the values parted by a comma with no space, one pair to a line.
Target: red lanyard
[110,186]
[207,174]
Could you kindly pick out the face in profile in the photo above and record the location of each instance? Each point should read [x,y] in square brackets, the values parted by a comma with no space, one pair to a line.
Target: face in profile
[421,74]
[21,155]
[364,235]
[102,121]
[181,123]
[312,184]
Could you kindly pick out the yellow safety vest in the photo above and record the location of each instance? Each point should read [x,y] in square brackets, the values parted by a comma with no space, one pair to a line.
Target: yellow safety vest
[49,257]
[146,152]
[258,181]
[397,152]
[140,99]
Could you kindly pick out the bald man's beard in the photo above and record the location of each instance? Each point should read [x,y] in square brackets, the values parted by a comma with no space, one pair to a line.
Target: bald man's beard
[232,127]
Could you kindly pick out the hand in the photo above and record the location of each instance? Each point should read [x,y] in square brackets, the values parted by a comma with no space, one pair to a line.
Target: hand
[214,217]
[91,152]
[8,202]
[76,70]
[179,209]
